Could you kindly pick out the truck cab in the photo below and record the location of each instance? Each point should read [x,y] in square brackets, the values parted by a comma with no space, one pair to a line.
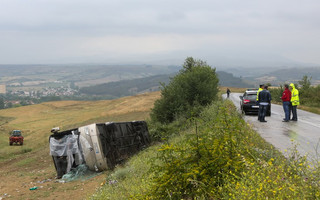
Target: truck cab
[16,137]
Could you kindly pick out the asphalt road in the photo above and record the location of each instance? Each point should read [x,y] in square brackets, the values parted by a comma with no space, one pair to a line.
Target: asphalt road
[305,132]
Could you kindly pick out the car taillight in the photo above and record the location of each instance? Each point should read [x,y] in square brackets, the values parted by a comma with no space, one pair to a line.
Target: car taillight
[246,101]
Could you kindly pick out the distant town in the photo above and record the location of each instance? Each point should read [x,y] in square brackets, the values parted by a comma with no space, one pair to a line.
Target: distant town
[16,98]
[60,91]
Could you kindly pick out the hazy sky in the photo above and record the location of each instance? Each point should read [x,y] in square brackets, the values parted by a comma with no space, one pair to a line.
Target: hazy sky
[225,33]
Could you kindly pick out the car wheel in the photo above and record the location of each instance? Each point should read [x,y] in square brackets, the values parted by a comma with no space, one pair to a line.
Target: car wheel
[241,108]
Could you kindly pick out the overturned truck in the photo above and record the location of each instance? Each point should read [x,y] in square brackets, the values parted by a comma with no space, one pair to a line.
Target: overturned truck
[100,146]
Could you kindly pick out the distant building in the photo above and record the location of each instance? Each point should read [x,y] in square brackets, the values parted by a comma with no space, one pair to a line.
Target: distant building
[3,89]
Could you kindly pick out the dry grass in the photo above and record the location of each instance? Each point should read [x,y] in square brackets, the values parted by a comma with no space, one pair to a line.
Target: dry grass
[310,109]
[20,168]
[36,121]
[305,108]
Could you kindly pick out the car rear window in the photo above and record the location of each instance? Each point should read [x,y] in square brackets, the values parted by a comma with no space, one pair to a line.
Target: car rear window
[251,97]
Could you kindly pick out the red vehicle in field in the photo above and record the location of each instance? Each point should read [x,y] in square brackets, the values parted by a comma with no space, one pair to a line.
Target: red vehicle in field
[16,137]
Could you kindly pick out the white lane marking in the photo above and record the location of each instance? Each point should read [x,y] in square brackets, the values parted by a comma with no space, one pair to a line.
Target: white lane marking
[310,123]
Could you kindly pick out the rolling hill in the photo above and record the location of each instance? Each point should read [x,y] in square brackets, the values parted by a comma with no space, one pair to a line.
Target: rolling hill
[40,76]
[128,87]
[294,74]
[152,83]
[229,80]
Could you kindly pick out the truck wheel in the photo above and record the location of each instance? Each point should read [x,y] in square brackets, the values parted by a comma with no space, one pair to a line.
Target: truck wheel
[21,143]
[10,143]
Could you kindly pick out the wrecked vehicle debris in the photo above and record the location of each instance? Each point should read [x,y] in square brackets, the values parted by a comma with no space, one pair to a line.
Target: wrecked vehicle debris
[99,146]
[81,172]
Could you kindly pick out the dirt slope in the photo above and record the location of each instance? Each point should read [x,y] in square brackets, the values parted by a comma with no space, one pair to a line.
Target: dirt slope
[26,166]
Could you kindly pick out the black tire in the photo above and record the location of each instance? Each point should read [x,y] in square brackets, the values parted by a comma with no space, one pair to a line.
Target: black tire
[10,144]
[242,111]
[21,143]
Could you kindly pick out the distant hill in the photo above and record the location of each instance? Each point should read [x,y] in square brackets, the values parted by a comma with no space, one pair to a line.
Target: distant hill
[228,80]
[128,87]
[151,83]
[40,76]
[290,75]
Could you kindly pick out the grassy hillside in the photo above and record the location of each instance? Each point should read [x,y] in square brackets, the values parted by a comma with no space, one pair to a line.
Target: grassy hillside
[22,167]
[215,156]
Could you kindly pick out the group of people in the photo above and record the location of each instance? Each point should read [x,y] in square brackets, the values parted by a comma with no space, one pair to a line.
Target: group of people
[290,99]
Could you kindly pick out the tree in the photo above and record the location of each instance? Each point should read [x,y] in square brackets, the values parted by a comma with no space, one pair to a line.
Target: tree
[23,103]
[195,86]
[305,82]
[1,103]
[9,105]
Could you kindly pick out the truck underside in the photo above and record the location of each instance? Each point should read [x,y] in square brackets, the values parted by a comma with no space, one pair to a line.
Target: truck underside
[100,146]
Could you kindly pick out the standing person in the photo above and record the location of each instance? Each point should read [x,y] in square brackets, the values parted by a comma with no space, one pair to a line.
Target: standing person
[286,98]
[264,98]
[261,87]
[269,105]
[228,92]
[294,102]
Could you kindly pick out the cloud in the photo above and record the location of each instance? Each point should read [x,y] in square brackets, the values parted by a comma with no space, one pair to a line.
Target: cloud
[69,31]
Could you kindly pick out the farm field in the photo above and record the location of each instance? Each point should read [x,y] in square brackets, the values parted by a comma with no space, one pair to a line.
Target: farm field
[23,167]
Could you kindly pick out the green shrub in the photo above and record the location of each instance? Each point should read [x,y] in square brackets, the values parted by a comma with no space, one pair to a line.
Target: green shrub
[163,132]
[121,173]
[200,163]
[223,158]
[194,87]
[276,94]
[277,178]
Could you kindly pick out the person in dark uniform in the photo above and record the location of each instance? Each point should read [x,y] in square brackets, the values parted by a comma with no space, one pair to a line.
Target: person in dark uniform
[228,92]
[264,99]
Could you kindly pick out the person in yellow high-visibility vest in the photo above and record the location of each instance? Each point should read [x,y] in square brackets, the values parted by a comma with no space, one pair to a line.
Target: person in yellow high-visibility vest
[294,102]
[261,87]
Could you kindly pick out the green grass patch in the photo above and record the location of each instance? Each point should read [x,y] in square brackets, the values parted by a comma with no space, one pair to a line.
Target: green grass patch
[25,162]
[130,181]
[10,152]
[25,150]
